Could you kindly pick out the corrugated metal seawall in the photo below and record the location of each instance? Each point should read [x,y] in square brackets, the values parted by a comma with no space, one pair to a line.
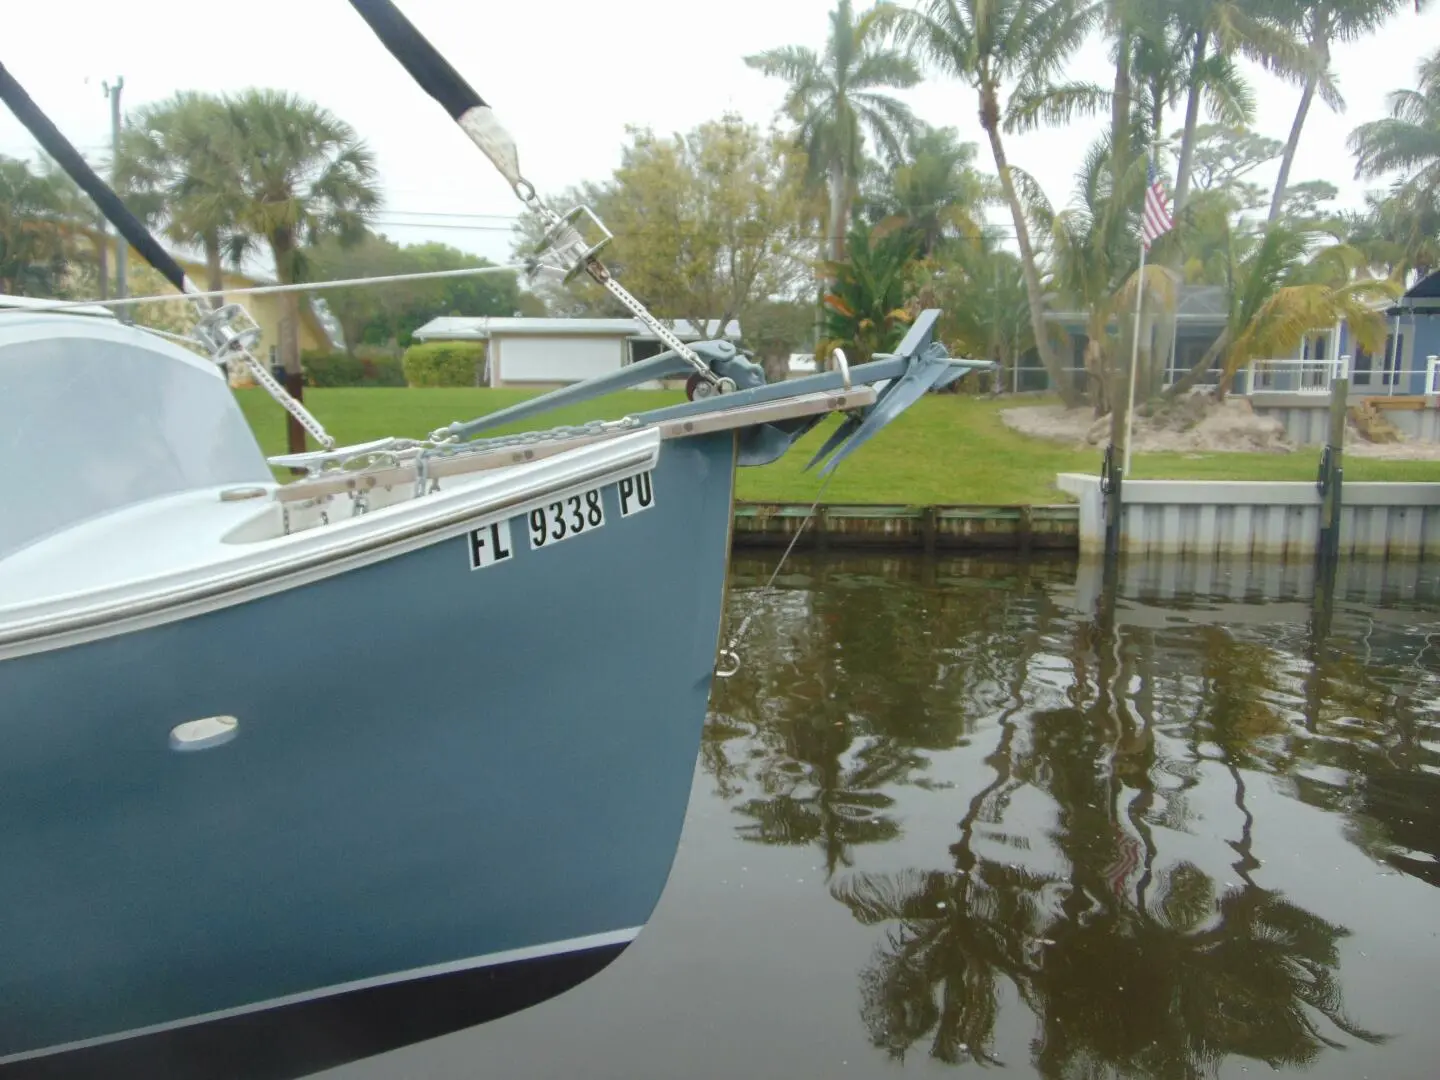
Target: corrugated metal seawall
[1260,586]
[1255,519]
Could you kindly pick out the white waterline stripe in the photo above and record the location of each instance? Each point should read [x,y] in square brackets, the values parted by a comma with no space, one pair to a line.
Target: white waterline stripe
[509,956]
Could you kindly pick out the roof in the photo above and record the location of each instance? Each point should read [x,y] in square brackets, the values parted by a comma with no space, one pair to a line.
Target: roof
[1427,288]
[40,302]
[483,327]
[1196,303]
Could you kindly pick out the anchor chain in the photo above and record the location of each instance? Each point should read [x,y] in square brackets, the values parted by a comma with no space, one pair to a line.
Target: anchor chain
[574,254]
[229,332]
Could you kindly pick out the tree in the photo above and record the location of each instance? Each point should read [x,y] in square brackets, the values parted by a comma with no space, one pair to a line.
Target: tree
[773,329]
[178,170]
[1094,256]
[1223,155]
[936,190]
[368,315]
[1211,34]
[389,315]
[1278,293]
[1408,140]
[36,237]
[836,99]
[991,44]
[301,174]
[1324,22]
[979,288]
[706,224]
[1305,202]
[1398,232]
[865,310]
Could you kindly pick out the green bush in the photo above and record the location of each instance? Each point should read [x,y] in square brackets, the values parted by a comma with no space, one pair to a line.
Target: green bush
[342,369]
[444,363]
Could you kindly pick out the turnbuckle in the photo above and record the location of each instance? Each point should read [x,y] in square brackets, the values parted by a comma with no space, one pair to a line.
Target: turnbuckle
[226,330]
[568,245]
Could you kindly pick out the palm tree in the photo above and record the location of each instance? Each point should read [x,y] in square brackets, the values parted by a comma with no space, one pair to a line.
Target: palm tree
[1408,140]
[1094,253]
[177,168]
[1278,294]
[980,290]
[36,236]
[865,310]
[302,174]
[1211,34]
[1323,23]
[937,192]
[992,44]
[838,98]
[1400,232]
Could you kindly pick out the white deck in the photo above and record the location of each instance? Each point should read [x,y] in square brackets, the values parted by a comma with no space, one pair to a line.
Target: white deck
[182,554]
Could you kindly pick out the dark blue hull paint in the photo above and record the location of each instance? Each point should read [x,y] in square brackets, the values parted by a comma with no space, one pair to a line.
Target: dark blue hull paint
[433,763]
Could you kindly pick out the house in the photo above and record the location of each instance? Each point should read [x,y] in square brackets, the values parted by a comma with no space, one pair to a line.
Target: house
[1200,312]
[267,310]
[547,352]
[1401,369]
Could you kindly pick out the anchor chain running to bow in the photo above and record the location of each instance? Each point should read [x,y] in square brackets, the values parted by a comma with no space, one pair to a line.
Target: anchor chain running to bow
[730,653]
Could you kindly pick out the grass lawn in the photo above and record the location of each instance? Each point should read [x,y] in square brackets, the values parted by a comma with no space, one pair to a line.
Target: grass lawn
[945,449]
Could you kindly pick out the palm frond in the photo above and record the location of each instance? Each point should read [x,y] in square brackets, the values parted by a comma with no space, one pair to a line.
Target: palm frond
[1032,106]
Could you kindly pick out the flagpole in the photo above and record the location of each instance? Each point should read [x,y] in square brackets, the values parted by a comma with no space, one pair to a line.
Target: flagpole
[1134,360]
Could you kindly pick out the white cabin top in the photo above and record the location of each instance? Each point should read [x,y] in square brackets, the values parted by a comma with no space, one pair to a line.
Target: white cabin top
[96,416]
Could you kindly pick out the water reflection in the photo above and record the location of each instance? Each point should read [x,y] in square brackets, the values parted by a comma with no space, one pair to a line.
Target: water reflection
[1113,757]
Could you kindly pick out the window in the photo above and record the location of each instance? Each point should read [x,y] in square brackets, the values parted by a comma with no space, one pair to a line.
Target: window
[644,350]
[1361,365]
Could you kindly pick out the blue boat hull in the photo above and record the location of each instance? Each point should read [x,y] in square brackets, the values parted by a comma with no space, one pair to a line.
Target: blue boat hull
[453,792]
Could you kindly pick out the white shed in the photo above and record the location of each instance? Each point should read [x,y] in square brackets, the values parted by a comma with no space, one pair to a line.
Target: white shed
[531,352]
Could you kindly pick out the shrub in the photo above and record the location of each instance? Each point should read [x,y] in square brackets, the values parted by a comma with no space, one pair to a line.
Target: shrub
[444,363]
[342,369]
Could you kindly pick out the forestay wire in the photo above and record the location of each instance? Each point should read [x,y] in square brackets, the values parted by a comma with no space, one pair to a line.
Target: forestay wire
[267,290]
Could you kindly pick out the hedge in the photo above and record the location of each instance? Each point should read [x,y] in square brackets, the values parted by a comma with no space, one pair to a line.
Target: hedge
[444,363]
[342,369]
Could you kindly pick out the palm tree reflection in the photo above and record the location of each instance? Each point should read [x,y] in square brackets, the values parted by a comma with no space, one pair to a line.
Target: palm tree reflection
[1083,884]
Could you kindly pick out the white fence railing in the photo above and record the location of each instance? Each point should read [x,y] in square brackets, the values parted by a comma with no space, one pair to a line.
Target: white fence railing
[1294,376]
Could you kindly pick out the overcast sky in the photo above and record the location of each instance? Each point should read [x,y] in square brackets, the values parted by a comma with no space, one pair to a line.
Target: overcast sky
[565,77]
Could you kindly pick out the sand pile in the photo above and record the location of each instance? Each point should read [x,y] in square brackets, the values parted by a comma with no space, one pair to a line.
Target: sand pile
[1196,424]
[1191,423]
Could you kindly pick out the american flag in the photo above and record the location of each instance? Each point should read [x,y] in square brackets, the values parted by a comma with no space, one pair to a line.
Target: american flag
[1154,218]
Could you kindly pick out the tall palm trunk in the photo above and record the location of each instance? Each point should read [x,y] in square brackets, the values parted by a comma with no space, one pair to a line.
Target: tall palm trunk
[1321,49]
[838,187]
[1165,350]
[213,270]
[1120,106]
[102,249]
[1192,118]
[282,243]
[990,121]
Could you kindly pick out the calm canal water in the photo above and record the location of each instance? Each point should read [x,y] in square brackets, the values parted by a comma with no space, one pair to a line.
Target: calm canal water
[982,812]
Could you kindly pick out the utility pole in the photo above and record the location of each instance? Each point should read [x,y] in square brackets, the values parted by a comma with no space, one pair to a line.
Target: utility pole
[121,247]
